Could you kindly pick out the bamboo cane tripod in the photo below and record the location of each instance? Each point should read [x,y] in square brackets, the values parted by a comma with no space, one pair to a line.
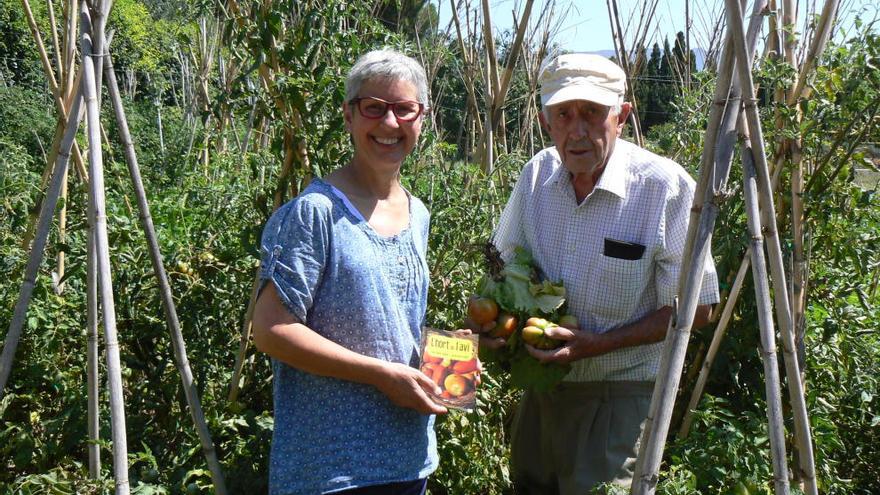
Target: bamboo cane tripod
[734,115]
[99,283]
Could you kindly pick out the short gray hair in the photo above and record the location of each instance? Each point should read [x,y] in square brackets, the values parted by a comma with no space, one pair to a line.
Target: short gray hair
[386,64]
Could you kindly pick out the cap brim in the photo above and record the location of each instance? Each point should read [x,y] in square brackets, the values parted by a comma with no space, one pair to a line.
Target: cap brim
[586,92]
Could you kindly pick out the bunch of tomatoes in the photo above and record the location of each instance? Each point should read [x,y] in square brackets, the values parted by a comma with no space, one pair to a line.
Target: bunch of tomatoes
[486,317]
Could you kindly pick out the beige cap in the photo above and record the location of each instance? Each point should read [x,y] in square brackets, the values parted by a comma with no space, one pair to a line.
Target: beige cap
[581,76]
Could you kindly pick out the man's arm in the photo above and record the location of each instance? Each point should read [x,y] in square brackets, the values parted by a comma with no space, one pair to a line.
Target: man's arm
[580,344]
[282,336]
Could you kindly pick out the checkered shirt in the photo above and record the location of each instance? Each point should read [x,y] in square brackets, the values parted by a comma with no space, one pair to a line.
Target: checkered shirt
[640,199]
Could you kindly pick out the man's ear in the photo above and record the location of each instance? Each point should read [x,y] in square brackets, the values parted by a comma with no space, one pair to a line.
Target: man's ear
[543,120]
[625,109]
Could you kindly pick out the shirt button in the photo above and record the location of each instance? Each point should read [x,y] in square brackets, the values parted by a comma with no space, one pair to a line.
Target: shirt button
[400,259]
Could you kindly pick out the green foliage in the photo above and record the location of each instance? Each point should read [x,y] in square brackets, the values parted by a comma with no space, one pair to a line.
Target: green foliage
[143,46]
[28,121]
[19,62]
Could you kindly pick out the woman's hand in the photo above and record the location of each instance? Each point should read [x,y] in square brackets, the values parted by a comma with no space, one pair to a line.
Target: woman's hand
[409,387]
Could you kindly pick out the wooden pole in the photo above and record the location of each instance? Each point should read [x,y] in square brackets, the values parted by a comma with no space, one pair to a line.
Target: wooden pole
[180,358]
[62,109]
[714,172]
[765,320]
[717,337]
[97,213]
[35,258]
[623,58]
[235,383]
[780,288]
[93,370]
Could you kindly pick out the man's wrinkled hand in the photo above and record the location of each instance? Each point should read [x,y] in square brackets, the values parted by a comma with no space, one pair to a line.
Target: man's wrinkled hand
[577,344]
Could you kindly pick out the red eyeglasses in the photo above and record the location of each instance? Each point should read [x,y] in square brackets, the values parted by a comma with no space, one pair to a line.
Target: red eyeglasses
[376,108]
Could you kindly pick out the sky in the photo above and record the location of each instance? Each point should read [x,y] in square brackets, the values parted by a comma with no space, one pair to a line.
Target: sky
[585,26]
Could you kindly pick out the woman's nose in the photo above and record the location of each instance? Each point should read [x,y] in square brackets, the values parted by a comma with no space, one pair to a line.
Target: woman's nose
[389,118]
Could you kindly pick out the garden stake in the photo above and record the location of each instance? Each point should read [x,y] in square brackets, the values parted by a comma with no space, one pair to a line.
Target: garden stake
[642,481]
[98,215]
[752,126]
[180,359]
[714,169]
[806,469]
[776,431]
[93,380]
[717,337]
[235,383]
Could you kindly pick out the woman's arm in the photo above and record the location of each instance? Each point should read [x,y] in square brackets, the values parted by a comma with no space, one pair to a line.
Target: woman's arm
[280,335]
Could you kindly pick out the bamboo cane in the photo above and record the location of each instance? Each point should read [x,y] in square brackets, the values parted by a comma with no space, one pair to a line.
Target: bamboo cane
[623,58]
[499,93]
[489,134]
[723,153]
[720,329]
[717,337]
[492,89]
[35,257]
[180,358]
[699,236]
[782,304]
[235,383]
[780,289]
[62,236]
[646,475]
[468,82]
[512,58]
[816,48]
[799,284]
[806,472]
[663,397]
[765,318]
[489,42]
[50,9]
[62,109]
[93,380]
[69,41]
[98,11]
[97,212]
[41,48]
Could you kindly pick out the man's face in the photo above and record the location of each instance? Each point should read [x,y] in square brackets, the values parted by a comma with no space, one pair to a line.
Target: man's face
[584,133]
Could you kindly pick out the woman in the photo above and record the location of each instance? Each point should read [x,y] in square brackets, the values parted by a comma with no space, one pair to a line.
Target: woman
[343,301]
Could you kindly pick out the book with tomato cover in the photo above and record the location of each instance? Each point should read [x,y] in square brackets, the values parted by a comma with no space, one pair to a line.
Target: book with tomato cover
[450,360]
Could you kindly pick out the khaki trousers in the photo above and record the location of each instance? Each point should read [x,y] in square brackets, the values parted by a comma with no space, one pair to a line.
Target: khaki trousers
[578,436]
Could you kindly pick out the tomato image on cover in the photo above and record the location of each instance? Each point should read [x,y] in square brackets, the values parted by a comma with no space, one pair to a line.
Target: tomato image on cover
[450,361]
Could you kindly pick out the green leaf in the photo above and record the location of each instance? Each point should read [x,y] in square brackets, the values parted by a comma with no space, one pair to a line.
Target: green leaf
[526,372]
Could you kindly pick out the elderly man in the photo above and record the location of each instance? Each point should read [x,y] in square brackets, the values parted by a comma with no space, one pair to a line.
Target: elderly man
[609,219]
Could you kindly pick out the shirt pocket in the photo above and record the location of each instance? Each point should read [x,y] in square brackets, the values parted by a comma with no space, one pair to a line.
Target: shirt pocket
[618,284]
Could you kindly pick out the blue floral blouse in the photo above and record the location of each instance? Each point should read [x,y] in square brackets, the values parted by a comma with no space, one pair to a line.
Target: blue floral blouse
[367,293]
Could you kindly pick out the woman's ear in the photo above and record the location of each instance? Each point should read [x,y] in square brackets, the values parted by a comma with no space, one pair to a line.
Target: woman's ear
[346,114]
